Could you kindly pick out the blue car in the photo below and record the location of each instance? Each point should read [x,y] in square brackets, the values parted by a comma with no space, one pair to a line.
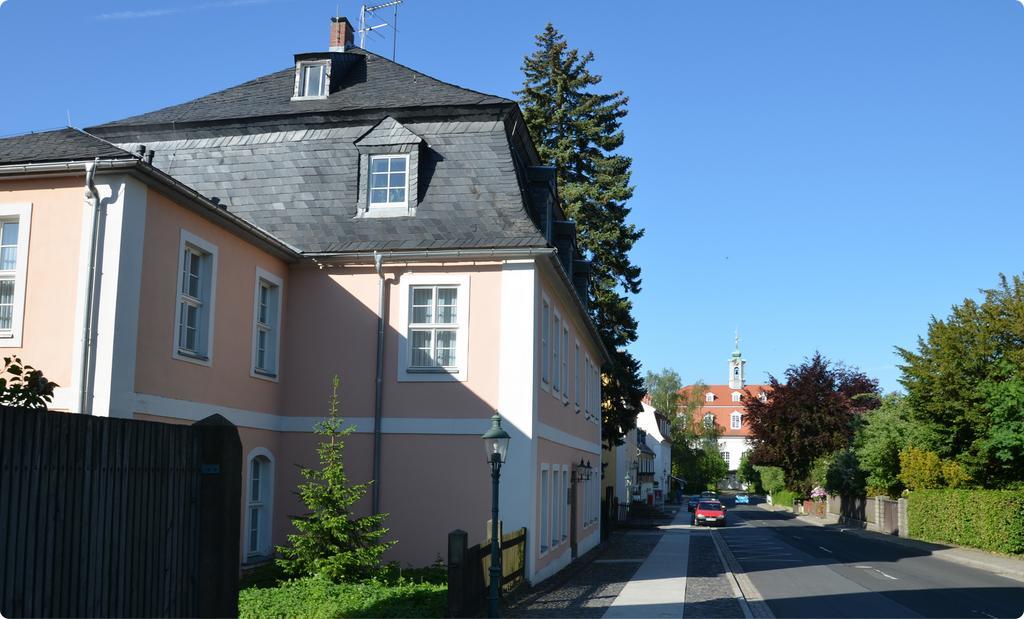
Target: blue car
[742,499]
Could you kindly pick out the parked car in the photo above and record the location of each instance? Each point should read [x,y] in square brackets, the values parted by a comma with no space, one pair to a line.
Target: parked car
[742,499]
[691,504]
[711,513]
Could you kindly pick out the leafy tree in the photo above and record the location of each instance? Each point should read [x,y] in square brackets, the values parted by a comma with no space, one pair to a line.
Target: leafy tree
[713,466]
[24,386]
[844,475]
[578,131]
[811,414]
[965,384]
[332,541]
[748,474]
[773,478]
[663,389]
[885,432]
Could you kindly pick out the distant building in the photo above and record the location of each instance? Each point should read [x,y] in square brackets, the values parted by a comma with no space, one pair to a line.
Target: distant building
[724,405]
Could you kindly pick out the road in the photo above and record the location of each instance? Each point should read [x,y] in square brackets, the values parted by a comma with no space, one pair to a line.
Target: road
[802,570]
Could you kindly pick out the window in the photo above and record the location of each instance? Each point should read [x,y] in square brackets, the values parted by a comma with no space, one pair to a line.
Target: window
[564,501]
[259,503]
[15,223]
[545,330]
[389,181]
[555,367]
[565,363]
[586,388]
[709,420]
[725,456]
[545,503]
[266,324]
[736,396]
[196,286]
[709,397]
[736,371]
[762,396]
[313,79]
[576,371]
[558,505]
[735,421]
[433,327]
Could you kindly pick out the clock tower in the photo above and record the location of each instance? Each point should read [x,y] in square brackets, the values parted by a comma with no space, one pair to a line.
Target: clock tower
[737,380]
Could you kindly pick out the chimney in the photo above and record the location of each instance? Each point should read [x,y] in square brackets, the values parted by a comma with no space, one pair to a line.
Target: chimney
[342,34]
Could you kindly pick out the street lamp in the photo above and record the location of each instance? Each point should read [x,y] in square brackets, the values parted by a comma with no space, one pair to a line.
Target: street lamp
[496,446]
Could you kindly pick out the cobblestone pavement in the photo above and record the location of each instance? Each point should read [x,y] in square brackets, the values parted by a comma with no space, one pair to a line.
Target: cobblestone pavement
[587,589]
[708,592]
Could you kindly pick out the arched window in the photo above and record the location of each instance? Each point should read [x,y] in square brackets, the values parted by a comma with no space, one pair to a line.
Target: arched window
[762,396]
[709,420]
[736,371]
[735,420]
[259,503]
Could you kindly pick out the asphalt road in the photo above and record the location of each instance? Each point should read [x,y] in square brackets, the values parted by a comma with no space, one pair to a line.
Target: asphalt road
[802,570]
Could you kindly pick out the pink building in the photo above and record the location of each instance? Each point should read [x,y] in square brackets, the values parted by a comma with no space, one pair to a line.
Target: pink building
[346,215]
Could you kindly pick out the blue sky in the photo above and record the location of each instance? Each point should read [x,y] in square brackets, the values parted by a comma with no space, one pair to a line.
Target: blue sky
[821,175]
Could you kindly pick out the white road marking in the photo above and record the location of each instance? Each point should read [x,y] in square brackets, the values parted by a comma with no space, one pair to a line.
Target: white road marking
[826,549]
[991,616]
[886,575]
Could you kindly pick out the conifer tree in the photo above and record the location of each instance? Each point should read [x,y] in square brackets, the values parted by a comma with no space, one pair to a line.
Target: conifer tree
[332,541]
[578,131]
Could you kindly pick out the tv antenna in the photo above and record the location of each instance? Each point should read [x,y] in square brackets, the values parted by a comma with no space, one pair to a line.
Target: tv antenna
[368,12]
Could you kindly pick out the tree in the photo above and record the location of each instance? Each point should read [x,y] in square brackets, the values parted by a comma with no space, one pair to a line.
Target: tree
[965,385]
[578,131]
[663,389]
[844,475]
[24,386]
[748,474]
[773,479]
[810,415]
[884,433]
[332,541]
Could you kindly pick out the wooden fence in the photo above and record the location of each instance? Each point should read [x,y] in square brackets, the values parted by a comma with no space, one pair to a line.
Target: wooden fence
[117,517]
[469,571]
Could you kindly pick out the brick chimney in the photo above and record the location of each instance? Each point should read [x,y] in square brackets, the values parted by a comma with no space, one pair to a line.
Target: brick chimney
[342,34]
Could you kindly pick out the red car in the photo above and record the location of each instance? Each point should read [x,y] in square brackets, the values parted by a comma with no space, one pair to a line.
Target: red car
[709,513]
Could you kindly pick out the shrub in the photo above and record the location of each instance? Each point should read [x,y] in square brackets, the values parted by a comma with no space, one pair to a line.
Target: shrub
[784,498]
[987,519]
[24,386]
[844,475]
[771,478]
[954,475]
[318,597]
[920,469]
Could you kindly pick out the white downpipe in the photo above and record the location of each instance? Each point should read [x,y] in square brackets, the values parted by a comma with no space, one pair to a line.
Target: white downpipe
[92,199]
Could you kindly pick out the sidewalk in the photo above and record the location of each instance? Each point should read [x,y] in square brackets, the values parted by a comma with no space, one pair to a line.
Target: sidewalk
[1001,565]
[658,588]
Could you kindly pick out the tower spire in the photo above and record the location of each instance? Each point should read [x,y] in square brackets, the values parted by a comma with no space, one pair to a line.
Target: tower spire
[737,380]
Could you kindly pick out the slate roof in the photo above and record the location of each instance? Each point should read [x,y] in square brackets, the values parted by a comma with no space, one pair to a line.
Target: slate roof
[58,145]
[375,83]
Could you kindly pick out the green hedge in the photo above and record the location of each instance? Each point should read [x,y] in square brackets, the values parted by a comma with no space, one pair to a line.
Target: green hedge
[318,598]
[987,519]
[784,498]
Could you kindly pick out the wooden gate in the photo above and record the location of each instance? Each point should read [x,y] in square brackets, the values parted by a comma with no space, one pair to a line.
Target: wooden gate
[118,517]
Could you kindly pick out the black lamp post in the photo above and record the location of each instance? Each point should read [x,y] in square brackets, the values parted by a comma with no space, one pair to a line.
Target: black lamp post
[496,445]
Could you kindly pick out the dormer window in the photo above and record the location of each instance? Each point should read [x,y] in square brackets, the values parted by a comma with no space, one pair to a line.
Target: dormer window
[311,79]
[710,397]
[735,396]
[389,181]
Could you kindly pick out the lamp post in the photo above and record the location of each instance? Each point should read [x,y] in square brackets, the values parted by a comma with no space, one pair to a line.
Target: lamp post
[496,445]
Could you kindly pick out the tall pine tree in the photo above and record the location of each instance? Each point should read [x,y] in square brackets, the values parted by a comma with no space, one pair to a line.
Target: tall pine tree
[578,131]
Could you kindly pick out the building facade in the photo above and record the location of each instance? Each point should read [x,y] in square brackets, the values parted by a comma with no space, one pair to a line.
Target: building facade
[346,216]
[722,406]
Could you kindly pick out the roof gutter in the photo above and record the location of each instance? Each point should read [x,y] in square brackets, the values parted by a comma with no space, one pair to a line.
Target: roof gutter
[209,207]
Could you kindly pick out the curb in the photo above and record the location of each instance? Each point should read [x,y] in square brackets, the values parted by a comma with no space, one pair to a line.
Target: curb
[751,602]
[945,552]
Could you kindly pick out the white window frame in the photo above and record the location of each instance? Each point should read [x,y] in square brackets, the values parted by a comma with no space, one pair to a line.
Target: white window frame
[762,396]
[565,363]
[386,206]
[545,511]
[704,420]
[587,388]
[266,278]
[709,397]
[556,368]
[545,343]
[265,503]
[576,372]
[193,242]
[456,373]
[736,396]
[300,79]
[564,500]
[22,213]
[735,420]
